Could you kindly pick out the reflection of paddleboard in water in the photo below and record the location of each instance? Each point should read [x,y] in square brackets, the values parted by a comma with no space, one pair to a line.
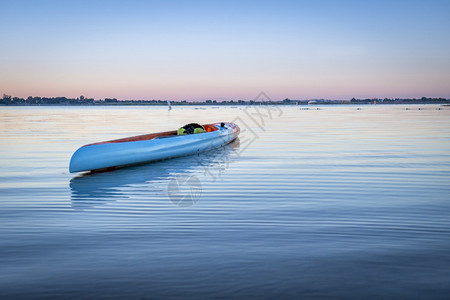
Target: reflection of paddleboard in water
[97,188]
[168,104]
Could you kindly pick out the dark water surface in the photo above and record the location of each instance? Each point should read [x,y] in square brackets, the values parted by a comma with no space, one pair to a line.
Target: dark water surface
[333,202]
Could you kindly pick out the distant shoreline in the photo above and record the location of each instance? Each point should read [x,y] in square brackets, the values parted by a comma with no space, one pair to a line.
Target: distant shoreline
[215,105]
[82,101]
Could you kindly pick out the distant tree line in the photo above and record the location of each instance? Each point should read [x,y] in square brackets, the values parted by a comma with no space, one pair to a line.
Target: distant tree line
[82,100]
[423,100]
[8,100]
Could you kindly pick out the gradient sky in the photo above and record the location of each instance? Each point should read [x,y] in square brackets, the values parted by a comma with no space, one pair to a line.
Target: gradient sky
[196,50]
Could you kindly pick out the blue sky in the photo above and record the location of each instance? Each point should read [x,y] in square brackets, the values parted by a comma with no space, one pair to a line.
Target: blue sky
[198,50]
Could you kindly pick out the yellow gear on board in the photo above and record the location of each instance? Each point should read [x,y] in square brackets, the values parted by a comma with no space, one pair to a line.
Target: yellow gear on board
[199,130]
[192,128]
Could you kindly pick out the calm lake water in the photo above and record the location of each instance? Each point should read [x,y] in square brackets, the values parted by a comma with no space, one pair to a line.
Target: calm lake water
[329,202]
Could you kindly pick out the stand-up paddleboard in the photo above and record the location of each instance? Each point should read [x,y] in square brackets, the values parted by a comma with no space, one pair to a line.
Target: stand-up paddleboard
[150,147]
